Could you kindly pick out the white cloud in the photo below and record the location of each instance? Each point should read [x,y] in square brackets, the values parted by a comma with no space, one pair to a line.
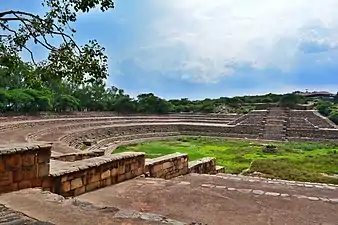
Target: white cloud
[206,40]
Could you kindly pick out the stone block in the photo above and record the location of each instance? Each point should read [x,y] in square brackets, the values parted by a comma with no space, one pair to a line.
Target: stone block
[2,165]
[127,168]
[65,186]
[140,171]
[79,191]
[24,184]
[64,178]
[92,186]
[106,182]
[93,178]
[105,174]
[121,178]
[6,178]
[9,188]
[114,172]
[167,165]
[29,172]
[47,182]
[13,162]
[129,175]
[44,156]
[43,170]
[156,168]
[121,169]
[76,183]
[28,159]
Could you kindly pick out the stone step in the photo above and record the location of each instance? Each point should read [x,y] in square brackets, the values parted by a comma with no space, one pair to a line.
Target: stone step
[220,169]
[11,217]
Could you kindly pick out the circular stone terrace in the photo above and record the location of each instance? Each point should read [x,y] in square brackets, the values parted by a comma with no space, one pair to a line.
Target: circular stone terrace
[199,198]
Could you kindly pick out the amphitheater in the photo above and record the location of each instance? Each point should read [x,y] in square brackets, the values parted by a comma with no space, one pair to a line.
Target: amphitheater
[60,170]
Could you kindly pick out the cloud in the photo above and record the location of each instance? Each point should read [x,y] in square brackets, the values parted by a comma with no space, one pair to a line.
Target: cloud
[204,41]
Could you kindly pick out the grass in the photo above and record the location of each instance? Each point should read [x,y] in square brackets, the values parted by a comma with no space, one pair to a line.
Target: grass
[293,161]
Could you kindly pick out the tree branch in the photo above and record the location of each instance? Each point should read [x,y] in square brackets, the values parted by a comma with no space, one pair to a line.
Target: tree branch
[16,35]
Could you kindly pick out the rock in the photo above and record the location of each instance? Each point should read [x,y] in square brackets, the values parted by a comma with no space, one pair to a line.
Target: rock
[270,149]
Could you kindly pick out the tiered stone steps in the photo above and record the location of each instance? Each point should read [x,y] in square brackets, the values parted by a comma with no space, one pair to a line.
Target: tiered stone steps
[11,217]
[275,124]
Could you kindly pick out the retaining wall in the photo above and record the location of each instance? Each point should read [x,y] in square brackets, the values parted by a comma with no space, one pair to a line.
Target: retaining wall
[168,166]
[203,166]
[23,167]
[90,174]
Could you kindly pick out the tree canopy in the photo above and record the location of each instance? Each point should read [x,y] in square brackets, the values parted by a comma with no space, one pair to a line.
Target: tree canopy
[20,29]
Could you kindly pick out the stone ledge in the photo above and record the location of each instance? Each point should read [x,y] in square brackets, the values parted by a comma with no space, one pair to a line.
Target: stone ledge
[165,158]
[20,148]
[205,165]
[61,168]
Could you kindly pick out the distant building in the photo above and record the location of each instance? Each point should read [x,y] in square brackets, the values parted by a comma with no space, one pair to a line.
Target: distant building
[316,94]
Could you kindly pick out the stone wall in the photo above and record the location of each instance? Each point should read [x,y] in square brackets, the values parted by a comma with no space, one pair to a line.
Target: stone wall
[72,157]
[23,167]
[168,166]
[78,177]
[203,166]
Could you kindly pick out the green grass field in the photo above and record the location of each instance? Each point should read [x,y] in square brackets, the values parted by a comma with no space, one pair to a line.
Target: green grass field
[294,161]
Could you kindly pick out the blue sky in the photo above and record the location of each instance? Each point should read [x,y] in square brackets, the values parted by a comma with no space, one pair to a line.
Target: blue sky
[199,49]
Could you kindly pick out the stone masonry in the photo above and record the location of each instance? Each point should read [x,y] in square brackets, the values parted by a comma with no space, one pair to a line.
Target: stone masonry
[73,179]
[23,167]
[168,166]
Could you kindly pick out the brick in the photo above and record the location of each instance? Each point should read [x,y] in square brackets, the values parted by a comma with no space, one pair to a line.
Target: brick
[105,175]
[79,191]
[76,183]
[65,186]
[43,169]
[28,159]
[92,186]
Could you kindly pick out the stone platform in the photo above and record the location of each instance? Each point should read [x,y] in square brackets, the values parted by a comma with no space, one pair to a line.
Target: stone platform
[203,199]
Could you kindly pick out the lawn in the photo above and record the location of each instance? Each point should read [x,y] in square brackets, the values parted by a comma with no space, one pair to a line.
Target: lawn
[293,161]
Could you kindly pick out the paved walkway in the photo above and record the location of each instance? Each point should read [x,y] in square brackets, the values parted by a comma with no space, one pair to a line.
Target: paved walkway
[224,200]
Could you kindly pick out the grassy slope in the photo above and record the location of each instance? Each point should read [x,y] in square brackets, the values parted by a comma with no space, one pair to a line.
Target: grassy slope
[294,161]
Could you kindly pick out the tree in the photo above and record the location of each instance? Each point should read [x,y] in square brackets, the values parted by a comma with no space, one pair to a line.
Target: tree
[67,60]
[334,117]
[290,100]
[324,108]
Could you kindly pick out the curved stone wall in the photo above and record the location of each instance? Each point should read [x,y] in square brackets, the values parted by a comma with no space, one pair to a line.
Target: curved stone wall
[104,132]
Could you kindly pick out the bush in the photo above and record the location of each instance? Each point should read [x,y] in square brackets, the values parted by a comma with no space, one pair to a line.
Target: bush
[334,117]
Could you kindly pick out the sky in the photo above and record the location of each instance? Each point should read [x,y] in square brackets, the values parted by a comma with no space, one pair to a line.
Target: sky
[208,49]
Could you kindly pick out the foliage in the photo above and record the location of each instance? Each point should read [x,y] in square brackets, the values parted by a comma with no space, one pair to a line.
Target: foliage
[66,60]
[291,100]
[294,161]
